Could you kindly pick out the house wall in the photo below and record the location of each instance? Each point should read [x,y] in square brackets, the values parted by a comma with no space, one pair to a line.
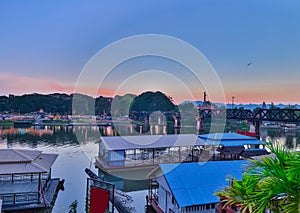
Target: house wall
[162,198]
[166,201]
[101,150]
[206,208]
[116,158]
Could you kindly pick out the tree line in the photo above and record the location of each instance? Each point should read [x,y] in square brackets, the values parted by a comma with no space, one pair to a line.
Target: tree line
[53,103]
[65,104]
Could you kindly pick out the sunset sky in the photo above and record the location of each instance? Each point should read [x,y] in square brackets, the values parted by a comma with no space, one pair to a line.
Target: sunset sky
[253,45]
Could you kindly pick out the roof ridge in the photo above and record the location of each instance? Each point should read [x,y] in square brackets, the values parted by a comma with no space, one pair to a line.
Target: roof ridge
[38,166]
[18,152]
[35,163]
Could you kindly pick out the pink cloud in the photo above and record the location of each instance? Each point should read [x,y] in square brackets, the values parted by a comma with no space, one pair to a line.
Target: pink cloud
[59,87]
[20,84]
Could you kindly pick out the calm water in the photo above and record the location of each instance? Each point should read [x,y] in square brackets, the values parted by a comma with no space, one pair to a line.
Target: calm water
[77,146]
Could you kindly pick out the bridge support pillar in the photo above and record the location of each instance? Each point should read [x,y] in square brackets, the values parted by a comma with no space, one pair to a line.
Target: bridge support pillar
[177,121]
[200,125]
[257,129]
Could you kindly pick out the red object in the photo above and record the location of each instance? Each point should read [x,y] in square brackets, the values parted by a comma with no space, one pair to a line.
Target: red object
[99,199]
[251,134]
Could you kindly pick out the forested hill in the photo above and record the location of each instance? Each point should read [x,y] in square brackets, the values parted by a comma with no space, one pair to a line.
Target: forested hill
[53,103]
[58,103]
[153,101]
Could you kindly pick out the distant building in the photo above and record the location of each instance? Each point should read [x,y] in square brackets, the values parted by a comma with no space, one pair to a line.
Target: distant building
[190,187]
[129,152]
[148,151]
[234,146]
[25,179]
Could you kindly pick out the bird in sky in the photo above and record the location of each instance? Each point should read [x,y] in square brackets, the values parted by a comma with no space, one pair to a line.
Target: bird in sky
[249,64]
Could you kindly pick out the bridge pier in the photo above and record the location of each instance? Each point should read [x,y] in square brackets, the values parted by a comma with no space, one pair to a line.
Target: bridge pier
[177,120]
[200,125]
[177,123]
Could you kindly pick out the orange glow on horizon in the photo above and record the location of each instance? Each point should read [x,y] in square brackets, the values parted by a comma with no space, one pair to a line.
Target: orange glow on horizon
[19,85]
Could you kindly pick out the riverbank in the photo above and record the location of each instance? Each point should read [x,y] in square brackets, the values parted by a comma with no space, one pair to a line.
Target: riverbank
[7,123]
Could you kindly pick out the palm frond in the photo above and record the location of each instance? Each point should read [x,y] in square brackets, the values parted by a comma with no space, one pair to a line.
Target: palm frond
[272,182]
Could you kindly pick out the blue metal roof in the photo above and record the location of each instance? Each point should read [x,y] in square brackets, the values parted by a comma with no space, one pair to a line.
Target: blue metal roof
[226,136]
[195,183]
[229,139]
[234,142]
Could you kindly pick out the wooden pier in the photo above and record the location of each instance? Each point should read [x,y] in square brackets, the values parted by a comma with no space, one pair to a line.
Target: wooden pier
[51,193]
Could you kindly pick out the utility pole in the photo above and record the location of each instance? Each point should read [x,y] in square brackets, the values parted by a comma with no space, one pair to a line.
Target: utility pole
[232,102]
[204,99]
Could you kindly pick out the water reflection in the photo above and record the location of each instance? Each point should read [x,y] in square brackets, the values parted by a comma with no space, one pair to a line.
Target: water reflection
[289,139]
[75,135]
[125,185]
[75,143]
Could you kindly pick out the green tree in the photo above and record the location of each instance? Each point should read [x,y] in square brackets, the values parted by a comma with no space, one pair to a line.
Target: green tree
[152,101]
[272,182]
[103,105]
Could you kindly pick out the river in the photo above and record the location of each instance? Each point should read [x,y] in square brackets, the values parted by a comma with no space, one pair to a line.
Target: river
[77,146]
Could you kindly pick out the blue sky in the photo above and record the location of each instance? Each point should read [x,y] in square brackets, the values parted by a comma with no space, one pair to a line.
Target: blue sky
[44,45]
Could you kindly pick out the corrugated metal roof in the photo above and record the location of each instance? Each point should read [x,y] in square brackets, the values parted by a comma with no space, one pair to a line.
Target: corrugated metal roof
[226,136]
[151,141]
[229,139]
[46,160]
[195,183]
[15,155]
[13,161]
[32,154]
[20,168]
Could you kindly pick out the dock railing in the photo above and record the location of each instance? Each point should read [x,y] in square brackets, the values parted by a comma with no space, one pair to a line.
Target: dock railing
[19,198]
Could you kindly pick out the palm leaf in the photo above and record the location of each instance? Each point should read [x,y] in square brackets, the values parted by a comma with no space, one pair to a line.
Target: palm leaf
[272,182]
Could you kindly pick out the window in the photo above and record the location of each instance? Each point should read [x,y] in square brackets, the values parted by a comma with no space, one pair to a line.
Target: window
[173,200]
[171,211]
[207,206]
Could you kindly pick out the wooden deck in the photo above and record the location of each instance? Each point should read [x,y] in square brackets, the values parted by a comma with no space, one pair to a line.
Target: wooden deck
[50,196]
[155,206]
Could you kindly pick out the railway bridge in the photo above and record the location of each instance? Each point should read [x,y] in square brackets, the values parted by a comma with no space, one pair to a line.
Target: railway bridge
[205,114]
[256,116]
